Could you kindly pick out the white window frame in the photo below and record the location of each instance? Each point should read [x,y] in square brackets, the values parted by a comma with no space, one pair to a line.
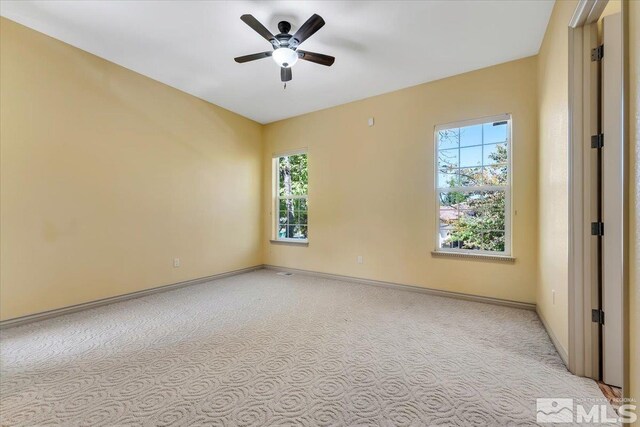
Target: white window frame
[506,188]
[276,197]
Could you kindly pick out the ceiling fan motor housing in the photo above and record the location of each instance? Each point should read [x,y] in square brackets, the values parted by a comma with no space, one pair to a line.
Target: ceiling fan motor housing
[284,27]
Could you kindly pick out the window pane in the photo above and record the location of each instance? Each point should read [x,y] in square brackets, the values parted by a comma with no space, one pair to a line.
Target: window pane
[300,231]
[488,219]
[448,180]
[496,133]
[300,204]
[495,153]
[283,217]
[293,231]
[448,217]
[299,217]
[451,199]
[293,175]
[292,221]
[494,241]
[471,156]
[448,139]
[495,175]
[474,220]
[471,135]
[445,240]
[471,176]
[448,159]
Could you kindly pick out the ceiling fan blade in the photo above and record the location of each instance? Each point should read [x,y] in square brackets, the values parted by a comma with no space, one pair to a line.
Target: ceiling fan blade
[252,57]
[318,58]
[285,74]
[259,28]
[308,29]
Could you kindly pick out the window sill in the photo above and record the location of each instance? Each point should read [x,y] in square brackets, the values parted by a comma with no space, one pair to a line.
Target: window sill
[290,242]
[480,257]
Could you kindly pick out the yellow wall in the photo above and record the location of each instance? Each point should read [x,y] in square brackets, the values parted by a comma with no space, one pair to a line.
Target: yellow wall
[612,7]
[634,204]
[371,189]
[107,175]
[553,78]
[122,174]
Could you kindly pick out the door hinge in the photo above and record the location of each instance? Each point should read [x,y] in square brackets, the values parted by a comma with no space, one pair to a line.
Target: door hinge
[597,229]
[597,141]
[597,53]
[597,316]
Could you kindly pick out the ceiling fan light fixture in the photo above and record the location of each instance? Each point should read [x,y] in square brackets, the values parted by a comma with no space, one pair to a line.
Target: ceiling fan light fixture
[285,45]
[285,57]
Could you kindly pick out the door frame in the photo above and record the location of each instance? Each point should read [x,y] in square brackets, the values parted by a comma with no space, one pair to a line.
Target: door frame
[583,340]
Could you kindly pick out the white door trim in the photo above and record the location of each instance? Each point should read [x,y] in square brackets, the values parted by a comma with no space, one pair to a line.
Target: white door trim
[613,196]
[583,351]
[587,12]
[583,358]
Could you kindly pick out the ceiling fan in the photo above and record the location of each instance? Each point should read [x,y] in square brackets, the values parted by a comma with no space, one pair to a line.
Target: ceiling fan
[285,46]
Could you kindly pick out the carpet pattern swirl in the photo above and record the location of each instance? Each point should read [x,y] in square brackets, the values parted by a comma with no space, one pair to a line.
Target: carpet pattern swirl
[265,349]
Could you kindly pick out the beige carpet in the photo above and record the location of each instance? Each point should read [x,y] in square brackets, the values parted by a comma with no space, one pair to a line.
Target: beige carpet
[265,349]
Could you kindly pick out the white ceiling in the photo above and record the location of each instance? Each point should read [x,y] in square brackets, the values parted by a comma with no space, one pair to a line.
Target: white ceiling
[380,46]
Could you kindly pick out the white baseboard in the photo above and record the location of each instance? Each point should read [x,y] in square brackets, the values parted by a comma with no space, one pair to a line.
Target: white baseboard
[412,288]
[556,343]
[92,304]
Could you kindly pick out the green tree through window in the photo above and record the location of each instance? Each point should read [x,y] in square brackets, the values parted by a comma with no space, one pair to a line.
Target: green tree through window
[293,179]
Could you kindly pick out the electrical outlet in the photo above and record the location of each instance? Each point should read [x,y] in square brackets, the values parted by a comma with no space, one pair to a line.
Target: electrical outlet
[553,297]
[359,259]
[176,262]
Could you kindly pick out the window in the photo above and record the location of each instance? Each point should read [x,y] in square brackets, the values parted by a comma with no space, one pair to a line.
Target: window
[291,179]
[473,186]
